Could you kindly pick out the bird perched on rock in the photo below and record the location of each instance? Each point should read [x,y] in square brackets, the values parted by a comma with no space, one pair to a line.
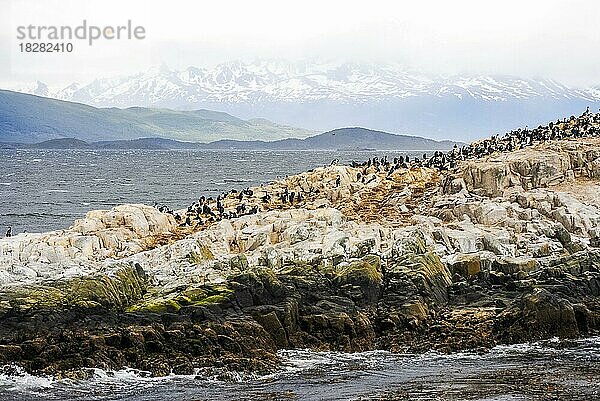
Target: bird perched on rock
[9,232]
[240,209]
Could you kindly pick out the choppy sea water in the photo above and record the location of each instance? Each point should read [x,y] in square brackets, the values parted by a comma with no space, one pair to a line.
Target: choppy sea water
[42,190]
[549,370]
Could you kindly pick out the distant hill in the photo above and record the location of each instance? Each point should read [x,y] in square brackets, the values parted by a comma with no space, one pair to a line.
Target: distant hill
[63,143]
[360,138]
[350,139]
[30,119]
[354,138]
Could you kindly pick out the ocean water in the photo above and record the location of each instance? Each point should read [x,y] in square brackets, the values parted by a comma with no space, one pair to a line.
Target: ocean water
[549,370]
[42,190]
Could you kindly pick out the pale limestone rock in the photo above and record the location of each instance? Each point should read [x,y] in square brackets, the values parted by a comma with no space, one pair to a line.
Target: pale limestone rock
[88,225]
[252,238]
[539,167]
[335,243]
[469,264]
[86,244]
[465,241]
[296,233]
[496,212]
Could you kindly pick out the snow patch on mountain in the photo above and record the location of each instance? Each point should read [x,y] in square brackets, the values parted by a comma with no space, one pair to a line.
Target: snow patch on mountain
[268,81]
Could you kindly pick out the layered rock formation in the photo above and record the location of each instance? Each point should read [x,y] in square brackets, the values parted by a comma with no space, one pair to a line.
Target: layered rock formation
[502,249]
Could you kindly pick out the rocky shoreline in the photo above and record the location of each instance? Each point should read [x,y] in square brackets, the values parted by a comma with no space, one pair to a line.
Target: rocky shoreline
[501,249]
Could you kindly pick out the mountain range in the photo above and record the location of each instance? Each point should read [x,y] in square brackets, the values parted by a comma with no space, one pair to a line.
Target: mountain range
[28,119]
[322,96]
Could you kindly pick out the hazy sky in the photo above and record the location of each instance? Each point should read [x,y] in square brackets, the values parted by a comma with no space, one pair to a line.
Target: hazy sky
[550,38]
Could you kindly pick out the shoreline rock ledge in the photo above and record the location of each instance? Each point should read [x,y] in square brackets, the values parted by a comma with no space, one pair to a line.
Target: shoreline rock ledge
[500,249]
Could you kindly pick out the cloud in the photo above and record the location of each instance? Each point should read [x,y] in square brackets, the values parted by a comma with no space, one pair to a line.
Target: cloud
[555,39]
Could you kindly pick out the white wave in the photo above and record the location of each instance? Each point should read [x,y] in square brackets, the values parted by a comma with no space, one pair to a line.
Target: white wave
[294,362]
[299,360]
[122,375]
[14,378]
[234,180]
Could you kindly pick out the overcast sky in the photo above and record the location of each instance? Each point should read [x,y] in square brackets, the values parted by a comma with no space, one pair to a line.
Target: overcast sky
[550,38]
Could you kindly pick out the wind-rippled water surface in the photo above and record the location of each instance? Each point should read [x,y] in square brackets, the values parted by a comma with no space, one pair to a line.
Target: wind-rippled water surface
[42,190]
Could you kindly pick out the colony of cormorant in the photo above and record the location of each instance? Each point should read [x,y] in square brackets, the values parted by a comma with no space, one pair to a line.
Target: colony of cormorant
[586,125]
[244,202]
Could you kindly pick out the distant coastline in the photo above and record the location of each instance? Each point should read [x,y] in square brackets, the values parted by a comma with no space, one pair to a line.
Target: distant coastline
[343,139]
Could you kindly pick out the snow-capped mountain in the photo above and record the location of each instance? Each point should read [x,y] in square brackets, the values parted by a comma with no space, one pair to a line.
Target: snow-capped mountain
[323,96]
[273,81]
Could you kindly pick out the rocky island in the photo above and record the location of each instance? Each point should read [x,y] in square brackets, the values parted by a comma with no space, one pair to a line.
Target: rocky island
[477,247]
